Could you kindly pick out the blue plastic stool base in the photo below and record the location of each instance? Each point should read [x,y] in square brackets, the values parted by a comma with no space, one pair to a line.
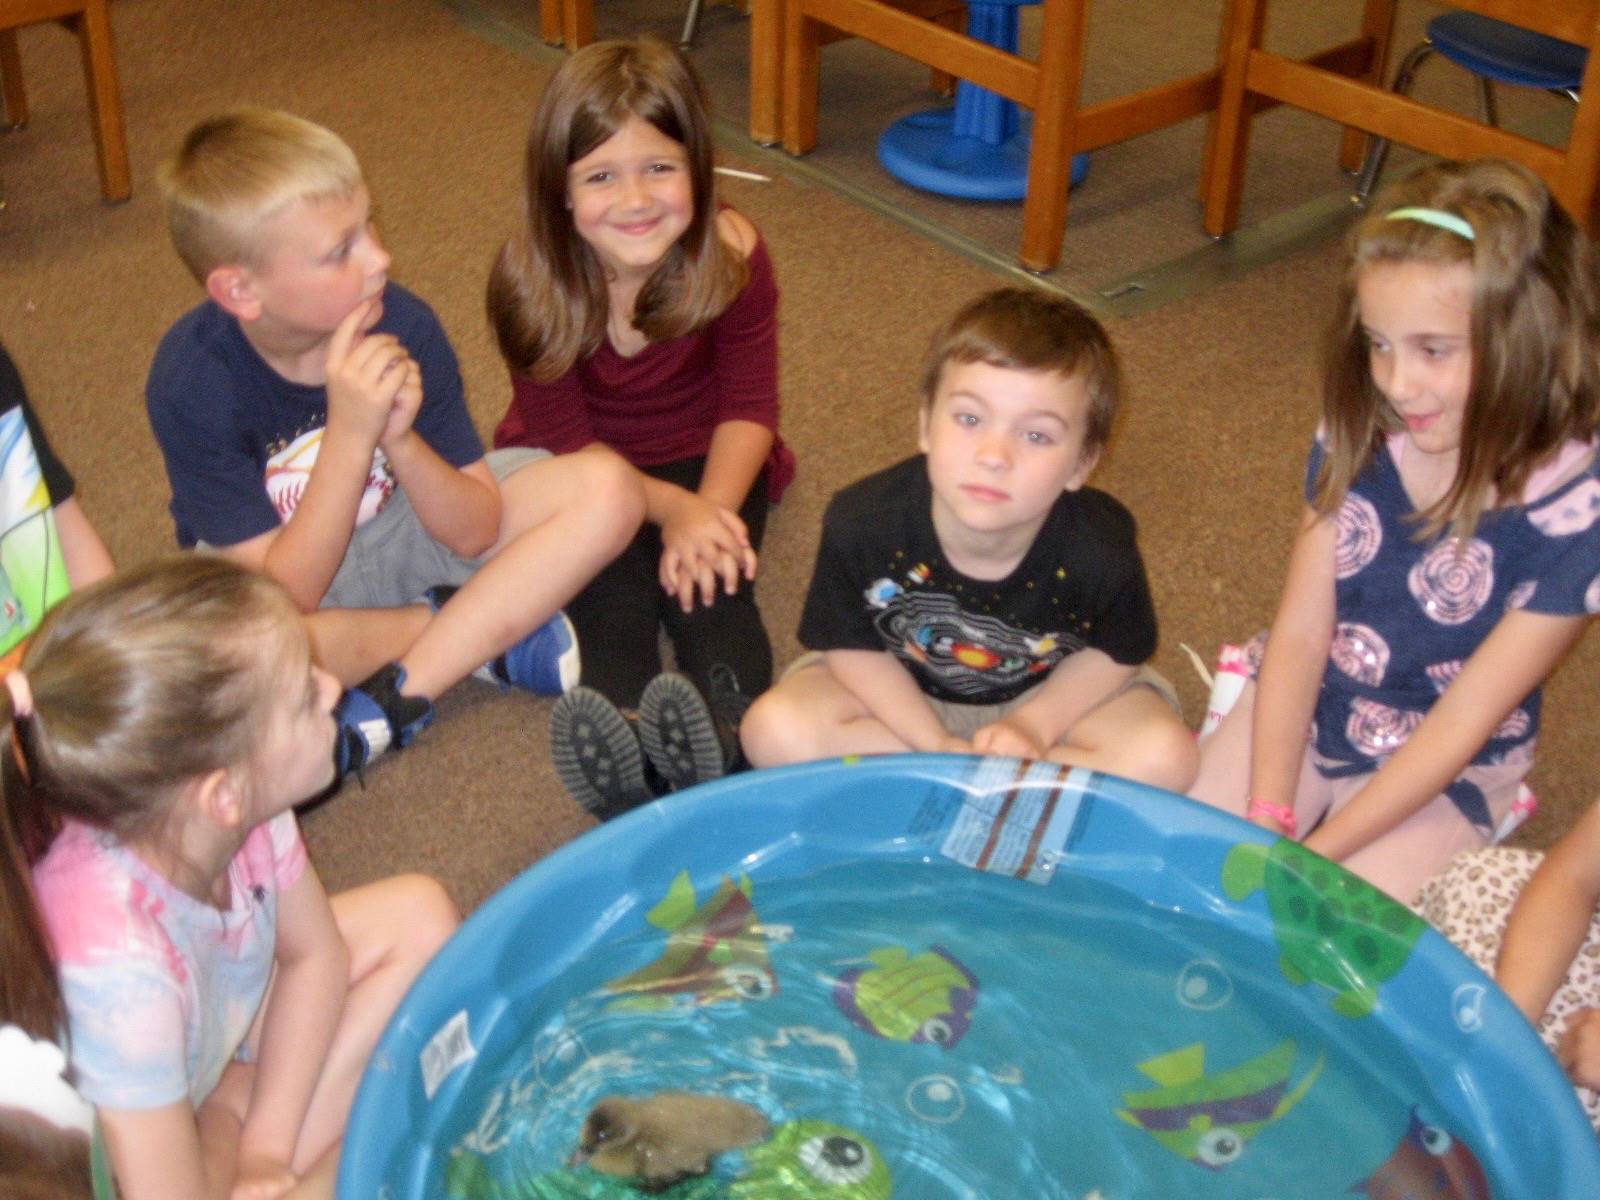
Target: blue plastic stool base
[923,151]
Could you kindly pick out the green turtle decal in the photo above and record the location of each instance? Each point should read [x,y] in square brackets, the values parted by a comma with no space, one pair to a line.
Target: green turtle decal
[813,1160]
[1331,926]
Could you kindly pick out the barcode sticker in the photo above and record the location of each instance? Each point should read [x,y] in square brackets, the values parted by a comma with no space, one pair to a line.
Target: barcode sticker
[1016,818]
[446,1051]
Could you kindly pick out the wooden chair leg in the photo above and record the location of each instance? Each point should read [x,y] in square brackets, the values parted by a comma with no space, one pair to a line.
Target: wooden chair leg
[577,23]
[802,65]
[942,83]
[1377,23]
[1229,136]
[1055,120]
[12,93]
[105,100]
[766,70]
[550,22]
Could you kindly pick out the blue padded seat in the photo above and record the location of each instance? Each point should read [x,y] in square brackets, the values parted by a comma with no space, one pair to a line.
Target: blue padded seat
[1507,53]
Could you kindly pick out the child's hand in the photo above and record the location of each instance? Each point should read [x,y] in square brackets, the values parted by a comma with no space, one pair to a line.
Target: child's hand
[1579,1051]
[262,1179]
[703,544]
[365,374]
[951,744]
[407,401]
[1007,738]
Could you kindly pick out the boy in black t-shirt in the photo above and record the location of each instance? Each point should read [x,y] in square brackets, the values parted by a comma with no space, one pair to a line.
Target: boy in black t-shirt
[978,597]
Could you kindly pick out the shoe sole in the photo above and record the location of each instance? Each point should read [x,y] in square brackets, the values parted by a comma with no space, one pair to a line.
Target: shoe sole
[596,754]
[678,732]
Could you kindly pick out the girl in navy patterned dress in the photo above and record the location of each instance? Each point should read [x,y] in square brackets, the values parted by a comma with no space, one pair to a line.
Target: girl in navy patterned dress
[1449,554]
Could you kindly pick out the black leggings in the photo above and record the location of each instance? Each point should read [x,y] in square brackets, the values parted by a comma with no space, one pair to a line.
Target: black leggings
[617,616]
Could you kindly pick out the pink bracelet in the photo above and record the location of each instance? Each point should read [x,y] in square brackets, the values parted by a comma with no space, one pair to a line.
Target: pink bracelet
[1283,814]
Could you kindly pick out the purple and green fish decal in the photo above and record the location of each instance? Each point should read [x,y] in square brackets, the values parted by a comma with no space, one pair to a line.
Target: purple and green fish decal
[715,951]
[928,998]
[1209,1118]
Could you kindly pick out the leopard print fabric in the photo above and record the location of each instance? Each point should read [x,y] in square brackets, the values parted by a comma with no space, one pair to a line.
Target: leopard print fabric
[1470,901]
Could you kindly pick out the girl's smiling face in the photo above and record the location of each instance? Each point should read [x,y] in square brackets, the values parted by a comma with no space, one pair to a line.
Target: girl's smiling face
[631,198]
[1417,318]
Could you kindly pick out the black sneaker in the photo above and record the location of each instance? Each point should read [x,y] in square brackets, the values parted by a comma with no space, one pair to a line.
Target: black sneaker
[596,753]
[686,740]
[373,715]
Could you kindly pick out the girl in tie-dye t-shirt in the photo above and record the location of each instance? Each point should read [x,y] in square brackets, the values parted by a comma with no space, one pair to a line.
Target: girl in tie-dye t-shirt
[1449,554]
[163,724]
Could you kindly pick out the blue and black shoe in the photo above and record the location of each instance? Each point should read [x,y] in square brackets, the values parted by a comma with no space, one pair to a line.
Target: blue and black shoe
[545,662]
[373,716]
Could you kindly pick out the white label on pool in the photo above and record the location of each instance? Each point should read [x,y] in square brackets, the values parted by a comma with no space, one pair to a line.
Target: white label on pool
[1016,818]
[445,1051]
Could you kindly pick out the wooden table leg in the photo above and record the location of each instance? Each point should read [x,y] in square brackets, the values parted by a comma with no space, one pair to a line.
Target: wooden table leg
[766,70]
[105,101]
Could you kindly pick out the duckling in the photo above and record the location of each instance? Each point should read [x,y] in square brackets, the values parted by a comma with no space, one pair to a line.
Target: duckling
[661,1139]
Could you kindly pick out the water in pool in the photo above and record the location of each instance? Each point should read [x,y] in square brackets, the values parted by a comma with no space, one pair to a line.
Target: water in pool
[979,1037]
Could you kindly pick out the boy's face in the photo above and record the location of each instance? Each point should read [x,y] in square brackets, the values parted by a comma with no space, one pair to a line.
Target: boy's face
[1003,444]
[322,258]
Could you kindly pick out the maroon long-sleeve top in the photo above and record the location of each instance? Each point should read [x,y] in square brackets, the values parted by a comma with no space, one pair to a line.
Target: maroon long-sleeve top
[662,404]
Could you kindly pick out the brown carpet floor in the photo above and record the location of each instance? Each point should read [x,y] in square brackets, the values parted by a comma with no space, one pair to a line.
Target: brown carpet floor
[1208,456]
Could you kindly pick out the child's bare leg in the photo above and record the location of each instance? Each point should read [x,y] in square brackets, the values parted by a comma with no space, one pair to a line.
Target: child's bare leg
[1135,734]
[393,928]
[1224,776]
[562,520]
[809,715]
[351,643]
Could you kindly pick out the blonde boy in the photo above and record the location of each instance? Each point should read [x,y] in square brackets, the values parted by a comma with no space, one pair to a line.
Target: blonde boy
[314,426]
[978,597]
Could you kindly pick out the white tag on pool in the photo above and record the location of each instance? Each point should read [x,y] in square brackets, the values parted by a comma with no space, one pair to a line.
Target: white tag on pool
[446,1051]
[1016,818]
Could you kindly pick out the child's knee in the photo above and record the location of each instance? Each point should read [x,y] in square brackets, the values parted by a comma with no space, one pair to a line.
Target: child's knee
[420,905]
[773,730]
[609,492]
[1162,751]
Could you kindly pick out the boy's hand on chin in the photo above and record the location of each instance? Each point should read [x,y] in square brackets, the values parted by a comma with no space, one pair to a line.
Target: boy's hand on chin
[366,372]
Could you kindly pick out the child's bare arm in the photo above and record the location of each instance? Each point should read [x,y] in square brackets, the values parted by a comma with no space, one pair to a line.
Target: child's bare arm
[1291,671]
[302,1015]
[85,554]
[1551,918]
[1523,648]
[1075,685]
[156,1155]
[364,375]
[889,692]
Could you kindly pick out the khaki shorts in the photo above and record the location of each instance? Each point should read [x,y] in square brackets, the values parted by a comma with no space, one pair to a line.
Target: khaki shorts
[964,720]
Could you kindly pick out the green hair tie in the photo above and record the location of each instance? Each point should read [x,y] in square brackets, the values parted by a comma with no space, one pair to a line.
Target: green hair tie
[1435,217]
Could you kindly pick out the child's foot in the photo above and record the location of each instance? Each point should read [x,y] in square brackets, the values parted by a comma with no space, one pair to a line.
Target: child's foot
[596,754]
[687,740]
[373,715]
[545,662]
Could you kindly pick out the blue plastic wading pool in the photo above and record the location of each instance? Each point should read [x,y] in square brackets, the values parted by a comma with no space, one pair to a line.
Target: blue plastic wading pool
[950,977]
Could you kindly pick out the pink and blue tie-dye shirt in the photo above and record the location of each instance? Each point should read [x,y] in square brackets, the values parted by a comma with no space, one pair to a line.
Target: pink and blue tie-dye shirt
[160,988]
